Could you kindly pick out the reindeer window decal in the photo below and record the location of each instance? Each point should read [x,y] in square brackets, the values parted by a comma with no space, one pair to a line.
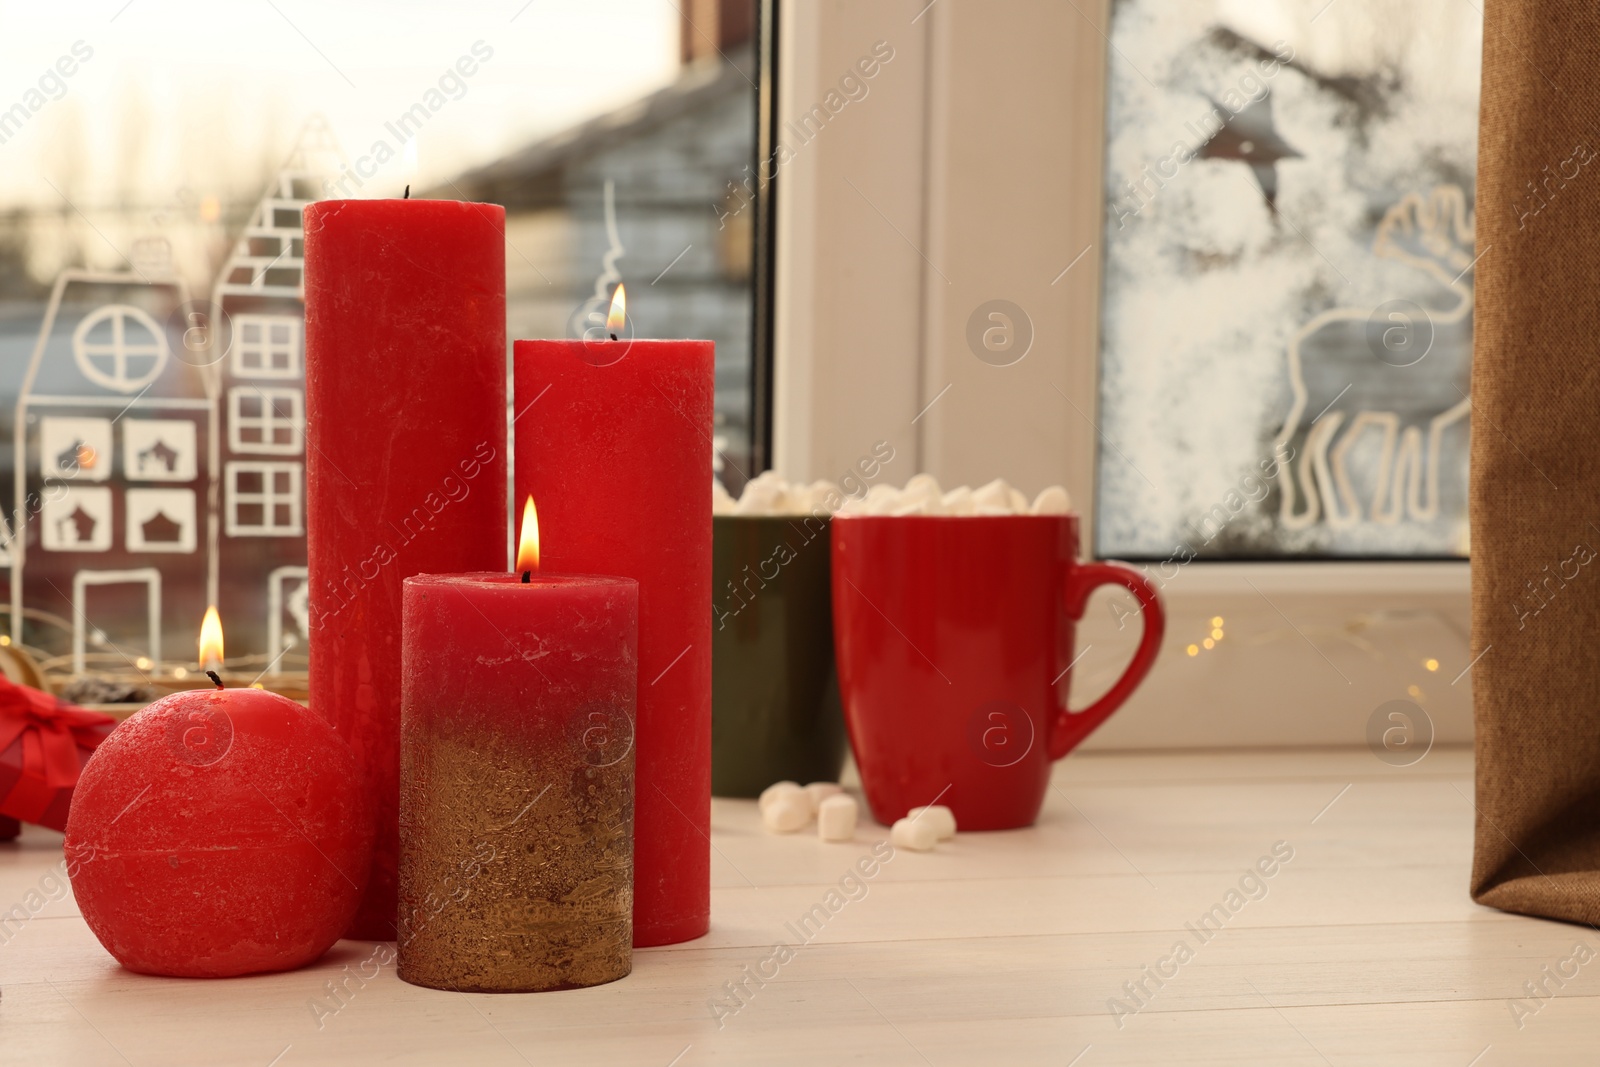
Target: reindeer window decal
[1287,282]
[1352,369]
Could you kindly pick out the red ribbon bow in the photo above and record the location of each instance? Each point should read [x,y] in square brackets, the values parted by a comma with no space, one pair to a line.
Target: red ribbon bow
[52,731]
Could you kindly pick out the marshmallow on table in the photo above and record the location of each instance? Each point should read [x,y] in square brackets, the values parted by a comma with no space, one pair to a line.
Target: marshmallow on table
[817,792]
[919,835]
[788,812]
[772,792]
[940,817]
[836,818]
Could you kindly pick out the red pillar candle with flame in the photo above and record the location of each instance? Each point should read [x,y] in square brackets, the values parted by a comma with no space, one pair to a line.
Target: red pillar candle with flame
[614,441]
[516,778]
[405,463]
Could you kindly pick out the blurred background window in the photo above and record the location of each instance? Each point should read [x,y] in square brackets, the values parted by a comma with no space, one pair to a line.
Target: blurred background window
[155,160]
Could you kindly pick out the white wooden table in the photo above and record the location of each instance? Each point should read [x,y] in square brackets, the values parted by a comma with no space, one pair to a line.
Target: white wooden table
[1001,948]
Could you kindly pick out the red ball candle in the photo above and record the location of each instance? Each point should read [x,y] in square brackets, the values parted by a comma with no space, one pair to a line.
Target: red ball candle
[406,414]
[617,451]
[219,833]
[516,781]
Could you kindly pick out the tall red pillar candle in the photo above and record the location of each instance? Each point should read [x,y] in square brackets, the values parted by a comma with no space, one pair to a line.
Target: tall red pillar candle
[405,457]
[516,781]
[616,449]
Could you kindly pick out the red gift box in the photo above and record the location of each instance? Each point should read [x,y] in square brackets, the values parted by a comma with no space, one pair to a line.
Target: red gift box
[44,743]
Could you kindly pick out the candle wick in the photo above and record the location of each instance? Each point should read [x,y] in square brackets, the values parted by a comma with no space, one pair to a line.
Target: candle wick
[527,577]
[213,676]
[613,337]
[408,194]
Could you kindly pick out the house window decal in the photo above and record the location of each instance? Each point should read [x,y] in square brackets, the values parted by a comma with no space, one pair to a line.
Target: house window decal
[263,500]
[83,581]
[162,520]
[120,347]
[162,530]
[78,520]
[160,450]
[267,346]
[160,455]
[264,420]
[79,455]
[75,449]
[82,526]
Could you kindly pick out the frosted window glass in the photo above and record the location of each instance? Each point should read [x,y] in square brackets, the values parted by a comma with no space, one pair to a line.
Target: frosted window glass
[1286,330]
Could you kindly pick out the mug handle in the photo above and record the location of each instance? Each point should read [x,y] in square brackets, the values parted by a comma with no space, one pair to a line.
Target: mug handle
[1083,579]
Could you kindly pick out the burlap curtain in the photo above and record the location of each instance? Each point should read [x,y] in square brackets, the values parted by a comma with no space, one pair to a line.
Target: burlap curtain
[1536,462]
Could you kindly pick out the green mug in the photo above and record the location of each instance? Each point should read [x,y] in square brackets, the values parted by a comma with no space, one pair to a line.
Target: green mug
[775,711]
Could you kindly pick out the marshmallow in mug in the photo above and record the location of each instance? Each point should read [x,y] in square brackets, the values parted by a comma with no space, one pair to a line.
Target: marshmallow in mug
[770,494]
[922,495]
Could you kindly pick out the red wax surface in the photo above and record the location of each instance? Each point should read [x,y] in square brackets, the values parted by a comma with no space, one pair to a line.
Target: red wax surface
[406,467]
[617,456]
[219,833]
[491,651]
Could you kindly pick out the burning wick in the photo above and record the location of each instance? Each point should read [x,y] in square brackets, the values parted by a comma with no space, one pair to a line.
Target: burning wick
[617,317]
[215,678]
[407,195]
[528,544]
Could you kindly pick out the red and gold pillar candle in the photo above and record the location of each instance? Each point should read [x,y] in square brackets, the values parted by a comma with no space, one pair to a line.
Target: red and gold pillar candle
[516,780]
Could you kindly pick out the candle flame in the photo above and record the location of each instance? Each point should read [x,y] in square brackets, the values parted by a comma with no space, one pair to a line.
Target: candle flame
[211,639]
[528,543]
[619,310]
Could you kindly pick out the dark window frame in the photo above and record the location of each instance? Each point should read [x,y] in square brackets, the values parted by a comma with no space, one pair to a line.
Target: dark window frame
[763,261]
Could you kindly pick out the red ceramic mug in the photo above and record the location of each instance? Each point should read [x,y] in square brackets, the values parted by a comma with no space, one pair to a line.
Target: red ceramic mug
[954,638]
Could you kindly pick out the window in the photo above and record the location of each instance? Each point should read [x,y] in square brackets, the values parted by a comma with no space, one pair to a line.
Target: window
[266,420]
[263,500]
[120,347]
[78,520]
[75,449]
[159,450]
[161,520]
[1287,304]
[658,192]
[620,138]
[266,346]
